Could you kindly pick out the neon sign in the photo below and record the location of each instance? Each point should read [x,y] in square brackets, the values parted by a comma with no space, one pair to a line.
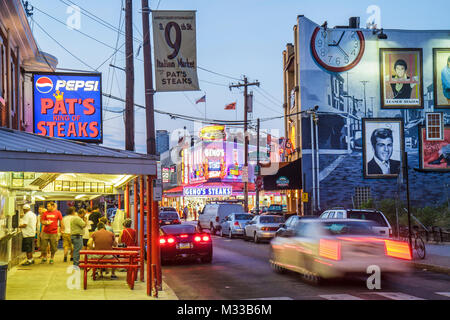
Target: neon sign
[207,191]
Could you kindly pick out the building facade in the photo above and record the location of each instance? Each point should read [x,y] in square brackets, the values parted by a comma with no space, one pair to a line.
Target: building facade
[162,141]
[342,84]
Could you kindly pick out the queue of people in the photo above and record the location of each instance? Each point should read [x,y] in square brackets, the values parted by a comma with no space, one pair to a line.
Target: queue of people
[85,229]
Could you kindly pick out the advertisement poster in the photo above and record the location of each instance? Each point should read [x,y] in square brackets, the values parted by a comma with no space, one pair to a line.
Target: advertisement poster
[435,155]
[441,68]
[401,78]
[175,49]
[68,106]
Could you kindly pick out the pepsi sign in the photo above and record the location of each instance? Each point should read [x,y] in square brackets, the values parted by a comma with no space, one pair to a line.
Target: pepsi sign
[68,106]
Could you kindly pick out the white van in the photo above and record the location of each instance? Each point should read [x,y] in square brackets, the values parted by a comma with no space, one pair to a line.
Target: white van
[382,229]
[214,213]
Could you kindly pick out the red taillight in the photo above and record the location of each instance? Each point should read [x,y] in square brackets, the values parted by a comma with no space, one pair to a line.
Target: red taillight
[236,223]
[330,249]
[175,221]
[162,241]
[202,238]
[390,233]
[183,236]
[170,240]
[398,249]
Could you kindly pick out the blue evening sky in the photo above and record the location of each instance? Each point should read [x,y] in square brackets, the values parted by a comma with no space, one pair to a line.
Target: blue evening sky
[234,38]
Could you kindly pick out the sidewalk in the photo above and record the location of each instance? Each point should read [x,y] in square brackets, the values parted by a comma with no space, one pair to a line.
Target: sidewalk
[59,282]
[437,259]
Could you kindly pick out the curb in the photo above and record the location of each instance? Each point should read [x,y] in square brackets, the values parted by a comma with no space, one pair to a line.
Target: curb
[432,267]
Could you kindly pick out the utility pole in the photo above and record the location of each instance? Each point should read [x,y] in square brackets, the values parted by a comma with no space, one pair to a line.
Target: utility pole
[246,84]
[364,82]
[129,104]
[257,165]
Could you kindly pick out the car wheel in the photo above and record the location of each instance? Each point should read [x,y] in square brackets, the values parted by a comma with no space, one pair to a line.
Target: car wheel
[207,259]
[255,238]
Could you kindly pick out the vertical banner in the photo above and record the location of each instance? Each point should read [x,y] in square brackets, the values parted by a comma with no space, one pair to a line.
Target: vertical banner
[174,37]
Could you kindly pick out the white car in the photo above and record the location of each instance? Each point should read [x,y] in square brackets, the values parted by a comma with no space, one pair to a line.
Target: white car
[337,247]
[382,227]
[262,227]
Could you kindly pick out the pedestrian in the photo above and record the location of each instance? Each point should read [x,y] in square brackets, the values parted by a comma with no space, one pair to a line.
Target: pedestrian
[28,226]
[103,240]
[86,228]
[39,228]
[66,234]
[128,235]
[94,217]
[185,213]
[50,220]
[77,231]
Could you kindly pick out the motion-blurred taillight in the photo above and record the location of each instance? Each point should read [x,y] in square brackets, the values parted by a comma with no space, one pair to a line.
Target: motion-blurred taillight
[398,249]
[330,249]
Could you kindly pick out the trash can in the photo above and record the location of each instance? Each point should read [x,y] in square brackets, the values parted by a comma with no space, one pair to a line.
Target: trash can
[3,276]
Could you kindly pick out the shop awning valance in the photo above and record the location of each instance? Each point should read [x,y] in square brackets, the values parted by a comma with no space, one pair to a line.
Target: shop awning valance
[288,177]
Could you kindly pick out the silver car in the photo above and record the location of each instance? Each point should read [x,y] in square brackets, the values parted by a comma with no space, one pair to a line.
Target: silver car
[233,225]
[334,248]
[262,227]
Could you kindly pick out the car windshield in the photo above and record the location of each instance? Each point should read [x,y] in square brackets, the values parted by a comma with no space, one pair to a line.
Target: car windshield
[243,217]
[168,215]
[179,229]
[271,219]
[347,227]
[367,215]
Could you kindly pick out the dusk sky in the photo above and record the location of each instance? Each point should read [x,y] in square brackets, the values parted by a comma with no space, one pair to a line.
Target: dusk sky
[234,38]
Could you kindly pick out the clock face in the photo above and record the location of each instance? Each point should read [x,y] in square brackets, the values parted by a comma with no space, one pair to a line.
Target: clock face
[337,50]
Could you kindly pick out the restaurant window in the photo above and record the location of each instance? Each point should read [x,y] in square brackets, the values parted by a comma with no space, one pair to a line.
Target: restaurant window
[434,126]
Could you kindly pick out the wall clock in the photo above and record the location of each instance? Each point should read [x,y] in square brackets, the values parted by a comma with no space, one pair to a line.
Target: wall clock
[337,50]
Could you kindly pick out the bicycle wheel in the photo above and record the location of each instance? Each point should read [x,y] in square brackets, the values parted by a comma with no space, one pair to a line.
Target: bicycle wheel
[419,246]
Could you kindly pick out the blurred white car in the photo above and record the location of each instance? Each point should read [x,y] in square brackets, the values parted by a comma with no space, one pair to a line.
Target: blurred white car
[262,227]
[337,247]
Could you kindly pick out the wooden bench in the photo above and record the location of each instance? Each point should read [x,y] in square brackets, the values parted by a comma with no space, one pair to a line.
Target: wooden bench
[121,259]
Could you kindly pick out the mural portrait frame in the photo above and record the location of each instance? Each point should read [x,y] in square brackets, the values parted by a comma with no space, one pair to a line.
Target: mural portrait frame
[437,79]
[396,158]
[424,160]
[391,97]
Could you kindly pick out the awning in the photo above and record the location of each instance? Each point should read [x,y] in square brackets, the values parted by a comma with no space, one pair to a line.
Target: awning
[288,177]
[26,152]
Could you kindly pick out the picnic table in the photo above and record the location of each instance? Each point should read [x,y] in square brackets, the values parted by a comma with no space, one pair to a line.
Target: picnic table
[114,259]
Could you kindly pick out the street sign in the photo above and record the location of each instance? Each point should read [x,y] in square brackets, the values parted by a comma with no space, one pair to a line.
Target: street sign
[157,190]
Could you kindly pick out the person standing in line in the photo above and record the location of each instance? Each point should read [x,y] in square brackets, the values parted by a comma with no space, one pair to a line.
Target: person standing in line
[39,228]
[50,220]
[66,234]
[86,228]
[77,231]
[94,217]
[128,235]
[28,226]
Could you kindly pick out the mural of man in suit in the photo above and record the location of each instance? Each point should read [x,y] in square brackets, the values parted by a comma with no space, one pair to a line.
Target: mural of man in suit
[382,143]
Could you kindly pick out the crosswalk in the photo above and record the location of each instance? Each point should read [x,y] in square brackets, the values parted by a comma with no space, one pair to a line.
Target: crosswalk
[377,296]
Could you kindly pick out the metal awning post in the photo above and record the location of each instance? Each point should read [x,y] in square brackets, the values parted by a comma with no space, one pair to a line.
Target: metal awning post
[141,229]
[127,200]
[156,259]
[118,205]
[135,207]
[149,236]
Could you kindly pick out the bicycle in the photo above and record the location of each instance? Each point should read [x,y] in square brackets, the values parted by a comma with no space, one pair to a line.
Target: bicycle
[417,243]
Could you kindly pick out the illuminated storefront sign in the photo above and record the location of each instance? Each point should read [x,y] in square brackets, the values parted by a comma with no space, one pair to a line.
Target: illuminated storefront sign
[68,106]
[207,191]
[213,133]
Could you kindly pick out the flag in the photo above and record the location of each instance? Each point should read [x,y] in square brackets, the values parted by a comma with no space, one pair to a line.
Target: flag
[231,106]
[202,99]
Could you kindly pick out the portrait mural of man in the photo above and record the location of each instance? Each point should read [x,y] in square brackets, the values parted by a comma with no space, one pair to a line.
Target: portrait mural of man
[441,72]
[383,147]
[401,78]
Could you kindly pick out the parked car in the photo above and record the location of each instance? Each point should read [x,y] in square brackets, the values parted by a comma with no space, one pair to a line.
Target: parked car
[183,241]
[213,213]
[262,227]
[168,215]
[288,227]
[383,228]
[322,248]
[233,225]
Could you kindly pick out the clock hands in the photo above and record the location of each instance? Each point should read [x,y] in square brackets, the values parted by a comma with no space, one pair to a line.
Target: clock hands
[334,44]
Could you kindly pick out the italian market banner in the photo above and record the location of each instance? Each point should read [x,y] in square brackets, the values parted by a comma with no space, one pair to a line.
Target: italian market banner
[175,49]
[68,106]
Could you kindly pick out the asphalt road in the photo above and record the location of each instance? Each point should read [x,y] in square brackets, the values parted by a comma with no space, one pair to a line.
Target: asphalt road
[240,270]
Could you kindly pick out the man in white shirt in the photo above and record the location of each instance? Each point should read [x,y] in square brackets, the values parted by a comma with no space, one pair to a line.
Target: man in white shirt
[66,233]
[28,226]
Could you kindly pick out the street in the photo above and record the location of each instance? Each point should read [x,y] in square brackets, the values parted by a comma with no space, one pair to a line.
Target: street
[240,270]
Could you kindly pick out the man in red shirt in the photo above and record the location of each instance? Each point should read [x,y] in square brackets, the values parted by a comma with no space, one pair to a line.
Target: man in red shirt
[49,220]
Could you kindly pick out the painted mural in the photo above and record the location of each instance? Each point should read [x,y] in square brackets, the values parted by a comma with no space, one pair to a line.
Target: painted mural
[351,74]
